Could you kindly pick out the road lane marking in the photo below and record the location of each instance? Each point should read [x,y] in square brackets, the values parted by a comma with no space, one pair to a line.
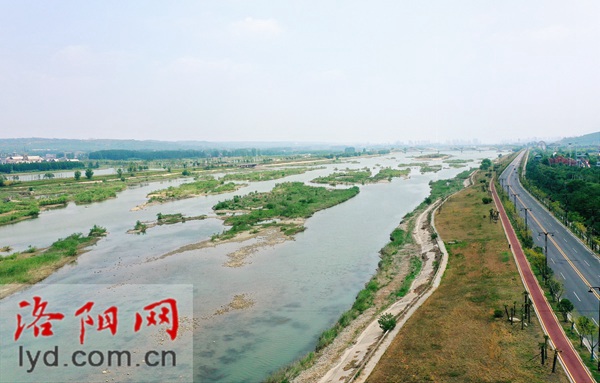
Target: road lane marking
[576,296]
[595,321]
[552,259]
[560,250]
[586,262]
[563,275]
[575,250]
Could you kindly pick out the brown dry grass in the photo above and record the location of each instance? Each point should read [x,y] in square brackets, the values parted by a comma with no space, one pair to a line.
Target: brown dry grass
[454,337]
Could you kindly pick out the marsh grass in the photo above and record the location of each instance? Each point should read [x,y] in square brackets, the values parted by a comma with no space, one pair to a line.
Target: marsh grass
[22,267]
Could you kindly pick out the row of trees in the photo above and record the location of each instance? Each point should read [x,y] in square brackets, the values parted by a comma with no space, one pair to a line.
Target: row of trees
[585,326]
[571,192]
[89,173]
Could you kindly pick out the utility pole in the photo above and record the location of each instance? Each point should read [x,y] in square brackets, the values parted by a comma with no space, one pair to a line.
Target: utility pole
[545,248]
[591,290]
[526,209]
[515,199]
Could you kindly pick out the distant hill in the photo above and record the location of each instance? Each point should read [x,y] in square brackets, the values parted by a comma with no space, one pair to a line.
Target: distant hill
[592,139]
[52,145]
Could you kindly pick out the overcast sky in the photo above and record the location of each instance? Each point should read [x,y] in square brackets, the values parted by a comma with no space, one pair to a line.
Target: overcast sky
[328,71]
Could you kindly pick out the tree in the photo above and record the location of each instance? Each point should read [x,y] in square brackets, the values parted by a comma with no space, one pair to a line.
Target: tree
[89,173]
[587,329]
[387,322]
[486,163]
[565,306]
[49,175]
[77,175]
[556,289]
[119,173]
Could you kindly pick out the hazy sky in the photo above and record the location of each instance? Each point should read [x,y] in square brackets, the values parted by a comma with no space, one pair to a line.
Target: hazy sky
[370,71]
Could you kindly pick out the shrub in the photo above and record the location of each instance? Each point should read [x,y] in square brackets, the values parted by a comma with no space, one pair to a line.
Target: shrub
[387,322]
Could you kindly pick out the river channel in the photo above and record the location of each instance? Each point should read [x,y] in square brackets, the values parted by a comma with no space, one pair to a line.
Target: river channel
[297,288]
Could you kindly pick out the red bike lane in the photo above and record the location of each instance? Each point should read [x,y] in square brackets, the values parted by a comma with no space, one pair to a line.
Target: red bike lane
[570,360]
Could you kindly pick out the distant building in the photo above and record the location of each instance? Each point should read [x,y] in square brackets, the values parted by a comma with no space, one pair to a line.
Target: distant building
[27,159]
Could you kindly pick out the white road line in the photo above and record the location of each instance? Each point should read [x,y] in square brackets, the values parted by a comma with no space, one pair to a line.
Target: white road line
[575,250]
[564,276]
[595,321]
[552,259]
[564,239]
[576,296]
[586,262]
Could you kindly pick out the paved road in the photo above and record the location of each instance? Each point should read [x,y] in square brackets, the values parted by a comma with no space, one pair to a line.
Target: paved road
[570,360]
[573,263]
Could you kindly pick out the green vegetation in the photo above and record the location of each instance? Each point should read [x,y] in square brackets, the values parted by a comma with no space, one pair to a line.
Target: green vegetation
[168,219]
[140,227]
[162,219]
[389,173]
[413,164]
[14,211]
[444,188]
[352,176]
[434,155]
[264,175]
[387,322]
[25,200]
[572,193]
[21,267]
[456,161]
[388,266]
[415,269]
[456,323]
[486,163]
[430,168]
[98,192]
[199,187]
[286,200]
[552,287]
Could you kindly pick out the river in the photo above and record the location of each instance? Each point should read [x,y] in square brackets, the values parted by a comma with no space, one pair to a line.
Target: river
[298,288]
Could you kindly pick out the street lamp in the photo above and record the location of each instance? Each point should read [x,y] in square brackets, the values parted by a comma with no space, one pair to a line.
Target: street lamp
[591,291]
[545,249]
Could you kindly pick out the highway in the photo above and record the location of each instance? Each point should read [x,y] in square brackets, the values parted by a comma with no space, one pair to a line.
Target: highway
[572,262]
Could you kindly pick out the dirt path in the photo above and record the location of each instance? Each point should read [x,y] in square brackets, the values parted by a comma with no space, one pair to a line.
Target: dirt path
[369,345]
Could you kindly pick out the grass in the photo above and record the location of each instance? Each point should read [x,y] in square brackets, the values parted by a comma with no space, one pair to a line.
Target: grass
[415,268]
[192,189]
[23,267]
[25,200]
[430,169]
[351,176]
[454,336]
[376,292]
[434,155]
[286,201]
[264,175]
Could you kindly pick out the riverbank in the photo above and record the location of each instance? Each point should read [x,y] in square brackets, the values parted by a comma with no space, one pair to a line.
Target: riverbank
[29,267]
[461,333]
[387,286]
[358,348]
